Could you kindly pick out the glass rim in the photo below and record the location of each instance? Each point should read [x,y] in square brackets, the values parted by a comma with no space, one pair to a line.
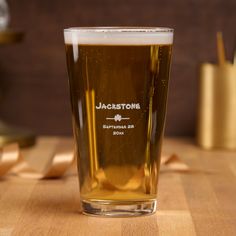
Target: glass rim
[119,29]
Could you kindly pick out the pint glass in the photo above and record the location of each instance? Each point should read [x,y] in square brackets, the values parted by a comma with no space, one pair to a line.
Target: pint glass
[118,80]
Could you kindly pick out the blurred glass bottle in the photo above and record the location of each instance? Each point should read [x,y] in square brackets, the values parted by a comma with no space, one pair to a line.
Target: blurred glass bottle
[4,15]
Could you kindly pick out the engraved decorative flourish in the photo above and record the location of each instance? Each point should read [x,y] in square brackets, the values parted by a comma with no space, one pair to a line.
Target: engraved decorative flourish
[117,118]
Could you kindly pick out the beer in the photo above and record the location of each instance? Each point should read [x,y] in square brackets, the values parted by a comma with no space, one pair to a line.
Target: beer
[118,87]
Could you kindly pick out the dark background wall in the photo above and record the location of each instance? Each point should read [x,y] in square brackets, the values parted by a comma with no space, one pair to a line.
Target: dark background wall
[33,77]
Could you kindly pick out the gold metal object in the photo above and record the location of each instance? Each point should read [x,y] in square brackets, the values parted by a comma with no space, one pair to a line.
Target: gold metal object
[216,126]
[10,36]
[10,134]
[217,106]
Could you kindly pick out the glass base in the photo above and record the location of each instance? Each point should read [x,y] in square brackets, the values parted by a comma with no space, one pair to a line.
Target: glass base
[120,209]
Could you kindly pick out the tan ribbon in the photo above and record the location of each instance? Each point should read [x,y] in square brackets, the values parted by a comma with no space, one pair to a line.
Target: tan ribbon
[8,158]
[12,162]
[168,163]
[173,162]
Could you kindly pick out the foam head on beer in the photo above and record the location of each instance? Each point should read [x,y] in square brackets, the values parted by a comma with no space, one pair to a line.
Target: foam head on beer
[118,36]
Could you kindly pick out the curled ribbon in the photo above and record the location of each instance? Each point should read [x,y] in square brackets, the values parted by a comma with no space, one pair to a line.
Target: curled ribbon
[8,158]
[12,162]
[173,162]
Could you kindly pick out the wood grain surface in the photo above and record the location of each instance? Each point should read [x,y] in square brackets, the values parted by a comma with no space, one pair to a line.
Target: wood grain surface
[201,202]
[33,76]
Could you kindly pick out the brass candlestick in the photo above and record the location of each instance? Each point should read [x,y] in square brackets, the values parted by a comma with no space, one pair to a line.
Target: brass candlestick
[10,36]
[217,103]
[9,134]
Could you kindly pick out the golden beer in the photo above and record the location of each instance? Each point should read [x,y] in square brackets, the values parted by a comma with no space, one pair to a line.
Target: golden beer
[118,87]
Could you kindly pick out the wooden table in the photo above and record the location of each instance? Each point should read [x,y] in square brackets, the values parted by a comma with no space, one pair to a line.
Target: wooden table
[201,202]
